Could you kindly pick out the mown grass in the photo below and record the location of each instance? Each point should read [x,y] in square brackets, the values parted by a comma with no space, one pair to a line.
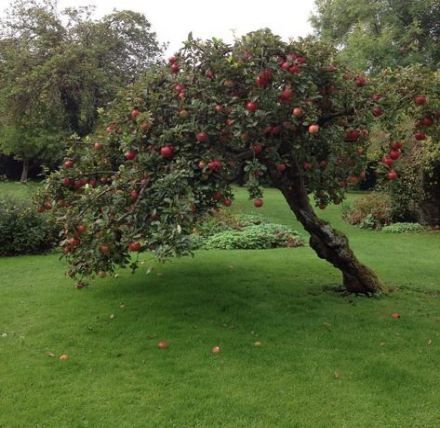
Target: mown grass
[325,360]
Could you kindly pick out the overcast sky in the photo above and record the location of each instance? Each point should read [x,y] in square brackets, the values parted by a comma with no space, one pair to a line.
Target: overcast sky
[173,20]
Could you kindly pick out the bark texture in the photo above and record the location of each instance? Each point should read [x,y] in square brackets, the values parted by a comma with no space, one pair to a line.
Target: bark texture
[328,243]
[25,171]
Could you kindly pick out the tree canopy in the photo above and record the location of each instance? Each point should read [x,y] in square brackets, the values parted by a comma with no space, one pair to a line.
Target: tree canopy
[57,68]
[170,146]
[381,33]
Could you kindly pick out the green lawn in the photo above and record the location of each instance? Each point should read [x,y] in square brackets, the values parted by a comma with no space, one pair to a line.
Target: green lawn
[325,360]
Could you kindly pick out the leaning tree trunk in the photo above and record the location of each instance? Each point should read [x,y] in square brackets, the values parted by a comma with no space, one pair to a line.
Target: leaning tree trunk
[25,171]
[328,243]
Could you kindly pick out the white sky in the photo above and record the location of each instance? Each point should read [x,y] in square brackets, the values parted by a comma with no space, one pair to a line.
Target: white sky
[173,20]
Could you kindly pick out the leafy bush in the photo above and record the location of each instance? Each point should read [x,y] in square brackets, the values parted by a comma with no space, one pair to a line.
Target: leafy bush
[403,228]
[250,219]
[23,230]
[254,237]
[372,211]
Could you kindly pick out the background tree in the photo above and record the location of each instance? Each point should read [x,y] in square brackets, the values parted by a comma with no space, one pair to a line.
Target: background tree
[58,68]
[381,33]
[169,148]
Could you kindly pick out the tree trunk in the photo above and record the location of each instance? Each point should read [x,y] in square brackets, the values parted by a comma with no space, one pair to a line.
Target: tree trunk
[328,243]
[429,205]
[25,171]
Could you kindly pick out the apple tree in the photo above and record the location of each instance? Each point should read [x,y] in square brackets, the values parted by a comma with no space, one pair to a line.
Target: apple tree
[170,147]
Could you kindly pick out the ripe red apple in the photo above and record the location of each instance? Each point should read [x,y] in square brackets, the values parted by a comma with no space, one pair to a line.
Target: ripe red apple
[175,68]
[294,69]
[394,154]
[130,155]
[420,100]
[360,81]
[396,145]
[285,66]
[307,166]
[134,195]
[352,135]
[68,182]
[202,137]
[419,136]
[214,165]
[82,228]
[376,97]
[297,112]
[217,196]
[427,121]
[134,246]
[392,175]
[163,344]
[218,108]
[314,129]
[286,95]
[257,148]
[258,202]
[98,146]
[227,202]
[395,315]
[135,113]
[251,106]
[281,167]
[179,87]
[377,111]
[73,242]
[387,161]
[68,164]
[172,59]
[167,152]
[104,249]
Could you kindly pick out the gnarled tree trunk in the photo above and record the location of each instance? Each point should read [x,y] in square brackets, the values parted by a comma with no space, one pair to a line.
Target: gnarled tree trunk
[328,243]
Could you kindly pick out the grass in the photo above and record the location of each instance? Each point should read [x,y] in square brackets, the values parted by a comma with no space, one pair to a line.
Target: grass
[15,188]
[325,360]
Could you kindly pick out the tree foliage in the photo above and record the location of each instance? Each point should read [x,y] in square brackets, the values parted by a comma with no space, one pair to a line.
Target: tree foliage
[58,68]
[381,33]
[170,146]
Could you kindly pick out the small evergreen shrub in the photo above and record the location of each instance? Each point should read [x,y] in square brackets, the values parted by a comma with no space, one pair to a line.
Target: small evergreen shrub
[403,228]
[23,230]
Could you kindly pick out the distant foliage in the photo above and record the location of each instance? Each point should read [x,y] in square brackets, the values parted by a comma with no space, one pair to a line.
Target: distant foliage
[403,228]
[372,211]
[23,230]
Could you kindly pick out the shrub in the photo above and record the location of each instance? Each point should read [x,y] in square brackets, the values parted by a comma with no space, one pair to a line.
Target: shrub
[255,237]
[403,228]
[23,230]
[372,211]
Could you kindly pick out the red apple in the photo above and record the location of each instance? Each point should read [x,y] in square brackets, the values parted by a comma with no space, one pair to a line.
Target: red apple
[396,145]
[420,100]
[130,155]
[427,121]
[377,111]
[394,154]
[68,164]
[202,137]
[167,152]
[163,344]
[360,81]
[172,59]
[227,202]
[134,195]
[307,166]
[419,136]
[258,202]
[281,167]
[81,229]
[217,196]
[392,175]
[68,182]
[175,68]
[286,95]
[134,246]
[218,108]
[297,112]
[216,350]
[257,148]
[395,315]
[214,165]
[135,113]
[104,249]
[314,129]
[98,146]
[387,161]
[251,106]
